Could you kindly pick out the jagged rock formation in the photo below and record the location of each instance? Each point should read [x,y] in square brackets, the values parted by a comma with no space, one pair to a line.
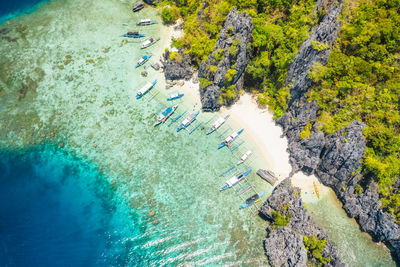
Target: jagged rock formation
[325,33]
[335,159]
[224,67]
[284,244]
[177,67]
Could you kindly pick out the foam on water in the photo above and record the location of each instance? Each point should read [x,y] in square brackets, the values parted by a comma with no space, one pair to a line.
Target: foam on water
[79,81]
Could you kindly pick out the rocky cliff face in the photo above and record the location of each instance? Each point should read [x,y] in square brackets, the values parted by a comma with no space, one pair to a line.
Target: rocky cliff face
[315,48]
[224,67]
[177,66]
[284,244]
[335,158]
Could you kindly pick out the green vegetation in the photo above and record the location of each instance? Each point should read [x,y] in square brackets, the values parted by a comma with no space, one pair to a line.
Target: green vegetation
[315,247]
[175,56]
[360,82]
[169,14]
[229,75]
[306,131]
[204,83]
[279,219]
[318,45]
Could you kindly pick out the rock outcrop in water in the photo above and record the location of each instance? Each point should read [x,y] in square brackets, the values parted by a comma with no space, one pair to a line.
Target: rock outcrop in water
[224,67]
[335,158]
[284,244]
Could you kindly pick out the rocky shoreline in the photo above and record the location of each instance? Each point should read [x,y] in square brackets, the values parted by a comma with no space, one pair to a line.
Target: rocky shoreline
[334,159]
[290,229]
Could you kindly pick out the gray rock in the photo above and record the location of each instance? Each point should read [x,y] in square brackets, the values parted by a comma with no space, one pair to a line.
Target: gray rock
[335,159]
[230,52]
[284,245]
[325,33]
[177,69]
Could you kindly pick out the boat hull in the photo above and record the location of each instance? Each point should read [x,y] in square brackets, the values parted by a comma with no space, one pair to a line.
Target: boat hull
[245,205]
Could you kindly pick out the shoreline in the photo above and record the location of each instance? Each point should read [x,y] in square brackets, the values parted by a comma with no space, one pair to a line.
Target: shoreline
[261,132]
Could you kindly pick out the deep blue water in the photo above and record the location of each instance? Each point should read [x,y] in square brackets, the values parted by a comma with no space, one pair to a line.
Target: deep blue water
[56,210]
[9,9]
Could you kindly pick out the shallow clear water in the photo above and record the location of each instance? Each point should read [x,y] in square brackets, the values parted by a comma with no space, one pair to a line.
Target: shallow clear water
[67,76]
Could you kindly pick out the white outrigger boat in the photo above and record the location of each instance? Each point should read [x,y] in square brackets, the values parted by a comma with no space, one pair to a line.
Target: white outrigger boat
[244,157]
[234,180]
[149,42]
[217,124]
[145,89]
[186,122]
[230,139]
[165,115]
[144,22]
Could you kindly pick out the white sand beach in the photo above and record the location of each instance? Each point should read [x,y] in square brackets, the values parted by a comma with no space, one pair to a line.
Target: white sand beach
[261,131]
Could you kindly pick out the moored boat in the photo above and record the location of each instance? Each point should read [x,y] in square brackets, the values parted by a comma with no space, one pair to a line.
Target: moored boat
[174,96]
[251,200]
[138,6]
[234,180]
[230,139]
[143,60]
[186,122]
[149,42]
[145,89]
[133,35]
[217,124]
[165,115]
[244,157]
[144,22]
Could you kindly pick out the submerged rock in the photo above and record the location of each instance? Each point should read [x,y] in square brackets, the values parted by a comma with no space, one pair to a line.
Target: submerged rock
[290,222]
[224,67]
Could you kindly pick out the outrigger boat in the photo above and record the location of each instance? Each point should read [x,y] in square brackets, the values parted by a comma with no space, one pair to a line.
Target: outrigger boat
[165,115]
[149,42]
[234,180]
[186,122]
[145,89]
[174,96]
[230,139]
[245,157]
[217,124]
[251,200]
[133,35]
[144,22]
[143,60]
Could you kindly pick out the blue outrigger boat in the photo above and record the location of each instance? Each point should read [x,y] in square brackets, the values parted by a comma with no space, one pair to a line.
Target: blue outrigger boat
[144,22]
[230,139]
[251,200]
[145,89]
[175,96]
[217,124]
[165,115]
[143,60]
[234,180]
[133,35]
[186,122]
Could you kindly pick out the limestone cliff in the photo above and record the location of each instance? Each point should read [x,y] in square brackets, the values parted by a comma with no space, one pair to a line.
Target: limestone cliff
[223,70]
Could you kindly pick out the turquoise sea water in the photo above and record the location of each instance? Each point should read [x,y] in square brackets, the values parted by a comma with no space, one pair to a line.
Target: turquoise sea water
[68,77]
